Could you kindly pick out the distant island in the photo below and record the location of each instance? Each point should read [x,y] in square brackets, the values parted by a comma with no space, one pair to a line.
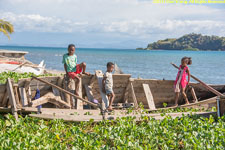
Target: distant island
[191,41]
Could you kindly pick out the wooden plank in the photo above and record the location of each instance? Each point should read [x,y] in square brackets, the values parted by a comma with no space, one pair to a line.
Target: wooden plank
[29,95]
[221,106]
[149,97]
[5,98]
[2,88]
[133,95]
[99,76]
[89,92]
[194,95]
[23,96]
[93,78]
[67,97]
[51,98]
[17,96]
[79,103]
[12,98]
[97,118]
[126,93]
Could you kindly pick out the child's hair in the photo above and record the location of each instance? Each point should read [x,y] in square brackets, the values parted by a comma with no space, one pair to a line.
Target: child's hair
[187,59]
[71,45]
[109,64]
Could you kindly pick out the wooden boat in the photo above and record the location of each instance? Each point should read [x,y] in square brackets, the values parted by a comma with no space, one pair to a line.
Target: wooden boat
[162,91]
[15,61]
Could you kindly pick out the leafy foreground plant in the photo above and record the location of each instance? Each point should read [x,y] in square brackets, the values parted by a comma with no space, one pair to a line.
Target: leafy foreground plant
[180,133]
[17,76]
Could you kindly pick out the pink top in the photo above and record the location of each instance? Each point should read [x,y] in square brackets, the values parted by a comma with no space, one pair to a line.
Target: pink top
[183,81]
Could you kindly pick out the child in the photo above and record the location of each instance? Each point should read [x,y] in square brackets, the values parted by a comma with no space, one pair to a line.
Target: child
[181,81]
[73,70]
[107,84]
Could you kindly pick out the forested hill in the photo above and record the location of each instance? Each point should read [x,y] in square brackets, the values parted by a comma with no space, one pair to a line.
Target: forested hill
[190,42]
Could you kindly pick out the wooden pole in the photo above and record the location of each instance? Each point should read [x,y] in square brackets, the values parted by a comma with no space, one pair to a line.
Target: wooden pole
[205,85]
[133,95]
[12,98]
[65,91]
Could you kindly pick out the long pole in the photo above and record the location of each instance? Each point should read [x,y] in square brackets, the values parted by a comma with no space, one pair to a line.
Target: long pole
[205,85]
[65,91]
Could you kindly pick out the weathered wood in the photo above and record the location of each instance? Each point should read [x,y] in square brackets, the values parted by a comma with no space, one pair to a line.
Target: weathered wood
[79,103]
[12,98]
[29,95]
[99,76]
[23,96]
[97,118]
[89,92]
[93,78]
[149,97]
[51,98]
[221,106]
[66,96]
[17,96]
[84,100]
[5,98]
[133,95]
[194,95]
[126,93]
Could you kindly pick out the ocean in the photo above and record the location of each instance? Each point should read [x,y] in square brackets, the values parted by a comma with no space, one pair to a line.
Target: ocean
[208,66]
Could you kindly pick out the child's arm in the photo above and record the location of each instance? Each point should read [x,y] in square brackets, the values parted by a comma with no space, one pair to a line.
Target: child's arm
[188,75]
[103,84]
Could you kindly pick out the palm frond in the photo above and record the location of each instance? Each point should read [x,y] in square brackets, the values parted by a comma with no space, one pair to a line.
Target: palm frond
[6,27]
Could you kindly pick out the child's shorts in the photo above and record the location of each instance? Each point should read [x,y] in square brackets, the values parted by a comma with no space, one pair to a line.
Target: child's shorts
[108,91]
[78,71]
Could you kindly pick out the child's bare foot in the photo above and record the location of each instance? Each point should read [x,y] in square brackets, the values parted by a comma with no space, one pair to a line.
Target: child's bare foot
[187,103]
[110,108]
[176,105]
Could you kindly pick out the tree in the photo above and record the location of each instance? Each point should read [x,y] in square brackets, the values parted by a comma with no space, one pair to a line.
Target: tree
[6,27]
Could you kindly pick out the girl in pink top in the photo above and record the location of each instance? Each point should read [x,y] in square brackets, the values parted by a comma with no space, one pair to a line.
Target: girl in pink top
[181,80]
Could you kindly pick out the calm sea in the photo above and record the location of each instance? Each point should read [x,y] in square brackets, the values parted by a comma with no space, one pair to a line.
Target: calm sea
[209,66]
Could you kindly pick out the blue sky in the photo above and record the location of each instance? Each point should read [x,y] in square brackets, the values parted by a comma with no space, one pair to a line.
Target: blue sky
[106,23]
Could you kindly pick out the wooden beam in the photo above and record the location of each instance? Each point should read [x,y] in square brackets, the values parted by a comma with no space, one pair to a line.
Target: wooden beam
[203,84]
[149,97]
[133,95]
[93,78]
[5,98]
[17,96]
[23,96]
[89,92]
[105,100]
[51,98]
[65,91]
[12,98]
[126,92]
[221,106]
[194,95]
[79,103]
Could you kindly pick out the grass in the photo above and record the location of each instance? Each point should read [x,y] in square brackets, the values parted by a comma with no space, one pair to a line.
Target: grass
[192,132]
[17,76]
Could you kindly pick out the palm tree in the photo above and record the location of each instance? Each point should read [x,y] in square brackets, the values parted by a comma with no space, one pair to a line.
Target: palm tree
[6,27]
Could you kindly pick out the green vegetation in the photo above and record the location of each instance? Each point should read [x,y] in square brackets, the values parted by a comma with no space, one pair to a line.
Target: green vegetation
[190,42]
[17,76]
[6,28]
[192,132]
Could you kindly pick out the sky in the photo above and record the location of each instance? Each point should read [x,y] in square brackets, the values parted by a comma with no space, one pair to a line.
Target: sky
[106,23]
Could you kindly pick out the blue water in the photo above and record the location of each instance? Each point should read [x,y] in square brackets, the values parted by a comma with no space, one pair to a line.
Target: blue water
[209,66]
